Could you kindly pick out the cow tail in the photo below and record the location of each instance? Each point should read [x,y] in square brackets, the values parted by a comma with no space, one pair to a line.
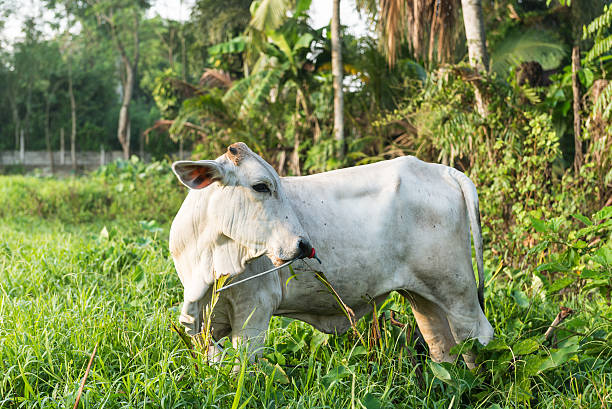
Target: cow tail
[470,195]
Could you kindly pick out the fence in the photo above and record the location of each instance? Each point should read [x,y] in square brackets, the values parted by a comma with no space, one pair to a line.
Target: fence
[40,159]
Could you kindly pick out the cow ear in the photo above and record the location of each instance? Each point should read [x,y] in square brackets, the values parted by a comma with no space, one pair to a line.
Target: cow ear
[198,175]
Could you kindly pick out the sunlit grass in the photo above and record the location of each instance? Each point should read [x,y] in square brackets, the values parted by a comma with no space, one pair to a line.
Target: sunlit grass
[66,287]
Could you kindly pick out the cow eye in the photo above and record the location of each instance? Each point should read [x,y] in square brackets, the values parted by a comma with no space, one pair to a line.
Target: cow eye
[261,187]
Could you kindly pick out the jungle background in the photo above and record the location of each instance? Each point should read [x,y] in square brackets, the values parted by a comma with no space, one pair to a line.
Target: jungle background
[84,260]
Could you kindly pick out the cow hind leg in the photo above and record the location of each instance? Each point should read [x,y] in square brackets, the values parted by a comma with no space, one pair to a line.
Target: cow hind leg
[472,323]
[434,327]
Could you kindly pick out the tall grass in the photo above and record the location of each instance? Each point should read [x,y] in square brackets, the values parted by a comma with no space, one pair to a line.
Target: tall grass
[66,286]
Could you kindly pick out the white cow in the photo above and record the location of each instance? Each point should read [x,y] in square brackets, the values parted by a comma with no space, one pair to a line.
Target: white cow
[400,225]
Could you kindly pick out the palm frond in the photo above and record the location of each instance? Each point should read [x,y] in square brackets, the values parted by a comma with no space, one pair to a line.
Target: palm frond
[603,103]
[429,26]
[531,45]
[269,14]
[602,22]
[252,92]
[601,46]
[213,78]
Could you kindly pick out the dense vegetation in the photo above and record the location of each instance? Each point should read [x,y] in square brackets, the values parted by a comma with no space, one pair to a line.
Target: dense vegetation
[84,261]
[78,273]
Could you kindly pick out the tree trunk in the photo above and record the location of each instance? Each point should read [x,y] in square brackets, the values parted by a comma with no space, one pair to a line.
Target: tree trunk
[62,148]
[72,117]
[141,150]
[73,157]
[577,125]
[48,134]
[124,114]
[337,69]
[27,126]
[295,155]
[17,125]
[22,147]
[477,46]
[127,83]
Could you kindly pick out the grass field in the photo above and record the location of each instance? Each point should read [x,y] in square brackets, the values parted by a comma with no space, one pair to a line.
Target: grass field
[68,284]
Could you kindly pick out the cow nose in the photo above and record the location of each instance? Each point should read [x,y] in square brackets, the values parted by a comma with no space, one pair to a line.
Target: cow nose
[305,248]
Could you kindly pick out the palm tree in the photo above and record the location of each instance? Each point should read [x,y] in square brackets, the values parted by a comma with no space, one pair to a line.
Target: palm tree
[431,26]
[337,68]
[475,34]
[476,42]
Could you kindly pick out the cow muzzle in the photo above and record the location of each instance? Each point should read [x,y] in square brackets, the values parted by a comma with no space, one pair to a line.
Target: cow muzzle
[305,249]
[301,249]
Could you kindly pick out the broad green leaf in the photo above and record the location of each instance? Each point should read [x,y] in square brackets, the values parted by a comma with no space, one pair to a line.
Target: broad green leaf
[583,219]
[534,364]
[559,357]
[594,274]
[602,284]
[526,346]
[560,284]
[275,371]
[520,298]
[554,267]
[562,355]
[279,40]
[303,42]
[603,256]
[496,344]
[269,14]
[442,373]
[518,46]
[280,375]
[539,225]
[318,339]
[334,376]
[302,6]
[580,244]
[369,401]
[235,45]
[603,214]
[359,350]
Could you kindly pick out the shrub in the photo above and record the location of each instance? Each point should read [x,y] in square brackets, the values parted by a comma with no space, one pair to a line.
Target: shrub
[131,190]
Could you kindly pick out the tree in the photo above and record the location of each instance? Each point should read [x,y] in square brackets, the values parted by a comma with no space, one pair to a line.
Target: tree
[121,19]
[476,43]
[431,25]
[67,51]
[337,69]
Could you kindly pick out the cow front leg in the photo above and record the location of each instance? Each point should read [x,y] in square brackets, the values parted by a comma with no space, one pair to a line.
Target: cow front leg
[249,332]
[191,316]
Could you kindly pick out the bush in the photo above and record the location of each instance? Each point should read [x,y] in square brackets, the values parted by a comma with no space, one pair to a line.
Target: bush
[131,190]
[512,155]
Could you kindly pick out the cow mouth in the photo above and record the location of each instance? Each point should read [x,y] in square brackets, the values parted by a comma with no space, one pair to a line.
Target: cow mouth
[277,261]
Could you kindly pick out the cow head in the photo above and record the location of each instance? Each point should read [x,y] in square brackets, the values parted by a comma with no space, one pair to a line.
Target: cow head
[243,211]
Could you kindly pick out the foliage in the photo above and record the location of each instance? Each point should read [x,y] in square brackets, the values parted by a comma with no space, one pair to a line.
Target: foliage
[581,258]
[65,286]
[527,45]
[121,189]
[601,29]
[512,155]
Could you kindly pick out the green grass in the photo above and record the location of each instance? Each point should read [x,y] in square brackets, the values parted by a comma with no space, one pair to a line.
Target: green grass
[65,287]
